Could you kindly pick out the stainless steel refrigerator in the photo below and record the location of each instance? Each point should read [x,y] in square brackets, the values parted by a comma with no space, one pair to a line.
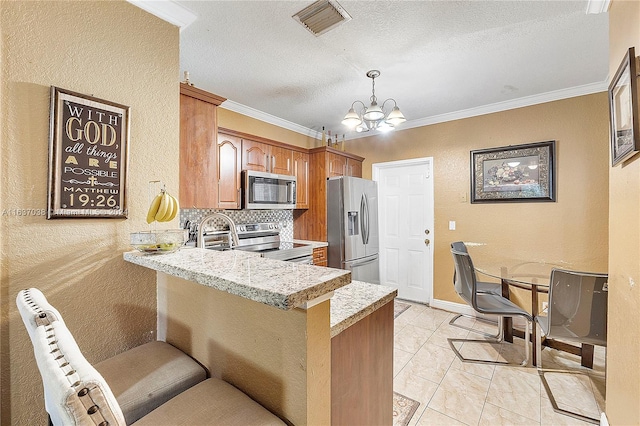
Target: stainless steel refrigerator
[352,227]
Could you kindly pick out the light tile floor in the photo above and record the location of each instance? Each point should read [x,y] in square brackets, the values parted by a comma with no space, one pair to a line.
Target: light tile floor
[451,392]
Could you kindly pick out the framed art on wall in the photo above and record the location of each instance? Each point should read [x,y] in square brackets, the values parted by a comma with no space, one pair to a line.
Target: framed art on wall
[513,173]
[88,155]
[623,110]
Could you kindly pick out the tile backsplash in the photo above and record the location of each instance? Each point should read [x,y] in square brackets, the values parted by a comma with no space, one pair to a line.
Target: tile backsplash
[284,217]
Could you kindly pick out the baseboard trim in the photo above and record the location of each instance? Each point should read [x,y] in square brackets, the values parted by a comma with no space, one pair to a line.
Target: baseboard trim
[458,308]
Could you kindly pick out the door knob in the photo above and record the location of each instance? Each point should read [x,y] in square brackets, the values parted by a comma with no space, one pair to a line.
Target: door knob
[426,242]
[426,231]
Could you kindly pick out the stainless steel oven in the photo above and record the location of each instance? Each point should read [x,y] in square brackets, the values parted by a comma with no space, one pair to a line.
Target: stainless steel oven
[268,190]
[262,238]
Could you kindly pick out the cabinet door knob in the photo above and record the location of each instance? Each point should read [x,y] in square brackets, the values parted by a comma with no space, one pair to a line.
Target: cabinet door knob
[427,242]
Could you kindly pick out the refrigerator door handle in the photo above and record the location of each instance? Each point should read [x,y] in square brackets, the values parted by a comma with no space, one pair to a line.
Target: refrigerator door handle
[366,217]
[362,217]
[365,262]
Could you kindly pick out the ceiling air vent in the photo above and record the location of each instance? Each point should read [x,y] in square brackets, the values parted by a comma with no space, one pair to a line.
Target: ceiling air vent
[321,16]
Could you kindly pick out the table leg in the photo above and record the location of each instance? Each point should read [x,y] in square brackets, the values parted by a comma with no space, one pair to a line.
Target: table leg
[507,324]
[534,329]
[586,355]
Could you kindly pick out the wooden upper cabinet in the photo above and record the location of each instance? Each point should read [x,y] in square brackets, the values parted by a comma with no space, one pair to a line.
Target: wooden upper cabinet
[324,162]
[281,160]
[264,157]
[354,167]
[337,165]
[229,171]
[198,147]
[255,156]
[301,172]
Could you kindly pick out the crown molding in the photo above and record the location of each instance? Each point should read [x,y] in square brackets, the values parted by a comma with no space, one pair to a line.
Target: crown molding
[526,101]
[167,10]
[598,6]
[270,119]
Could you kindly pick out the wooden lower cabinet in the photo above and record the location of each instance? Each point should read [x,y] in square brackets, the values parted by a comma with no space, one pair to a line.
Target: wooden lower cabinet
[320,256]
[362,371]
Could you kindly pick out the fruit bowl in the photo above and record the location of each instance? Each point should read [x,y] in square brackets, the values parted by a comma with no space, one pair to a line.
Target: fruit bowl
[159,242]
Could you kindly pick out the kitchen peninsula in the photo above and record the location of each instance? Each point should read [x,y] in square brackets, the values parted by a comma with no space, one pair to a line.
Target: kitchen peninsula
[269,327]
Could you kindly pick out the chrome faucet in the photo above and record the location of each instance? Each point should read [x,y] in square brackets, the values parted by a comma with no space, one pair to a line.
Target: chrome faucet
[232,229]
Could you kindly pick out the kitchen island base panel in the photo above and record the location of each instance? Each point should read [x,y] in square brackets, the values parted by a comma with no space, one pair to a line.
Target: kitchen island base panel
[362,371]
[281,358]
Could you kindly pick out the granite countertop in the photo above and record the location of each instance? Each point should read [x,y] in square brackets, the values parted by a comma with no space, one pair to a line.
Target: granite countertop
[355,301]
[284,285]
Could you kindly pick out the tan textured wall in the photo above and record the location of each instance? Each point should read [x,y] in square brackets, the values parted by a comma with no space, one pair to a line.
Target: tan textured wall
[242,123]
[113,51]
[623,339]
[575,226]
[282,359]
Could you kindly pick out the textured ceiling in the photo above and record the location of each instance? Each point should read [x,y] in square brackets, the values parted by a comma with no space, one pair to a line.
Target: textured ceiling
[435,57]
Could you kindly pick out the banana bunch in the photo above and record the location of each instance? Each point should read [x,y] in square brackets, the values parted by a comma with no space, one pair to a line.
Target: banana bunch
[164,208]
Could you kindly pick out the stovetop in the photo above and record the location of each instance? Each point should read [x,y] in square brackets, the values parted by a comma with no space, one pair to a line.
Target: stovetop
[263,238]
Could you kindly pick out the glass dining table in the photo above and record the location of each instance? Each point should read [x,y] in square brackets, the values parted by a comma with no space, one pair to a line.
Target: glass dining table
[520,277]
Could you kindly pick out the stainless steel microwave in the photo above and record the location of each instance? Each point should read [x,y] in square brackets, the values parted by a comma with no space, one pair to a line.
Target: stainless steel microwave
[268,190]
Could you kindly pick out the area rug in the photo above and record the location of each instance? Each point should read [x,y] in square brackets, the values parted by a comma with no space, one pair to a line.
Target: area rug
[403,409]
[399,307]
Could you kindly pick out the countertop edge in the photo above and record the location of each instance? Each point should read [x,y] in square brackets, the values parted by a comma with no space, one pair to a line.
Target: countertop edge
[278,299]
[353,317]
[315,244]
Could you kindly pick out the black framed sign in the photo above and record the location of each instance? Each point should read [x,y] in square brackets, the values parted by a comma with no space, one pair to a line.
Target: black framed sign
[513,173]
[623,110]
[88,156]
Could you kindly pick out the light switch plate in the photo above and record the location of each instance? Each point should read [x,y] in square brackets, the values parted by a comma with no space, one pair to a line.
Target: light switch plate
[452,225]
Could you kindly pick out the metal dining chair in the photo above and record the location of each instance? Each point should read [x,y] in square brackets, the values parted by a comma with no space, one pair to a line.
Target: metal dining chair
[485,303]
[577,313]
[482,287]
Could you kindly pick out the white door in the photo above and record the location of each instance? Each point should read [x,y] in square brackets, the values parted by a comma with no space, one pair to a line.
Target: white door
[405,208]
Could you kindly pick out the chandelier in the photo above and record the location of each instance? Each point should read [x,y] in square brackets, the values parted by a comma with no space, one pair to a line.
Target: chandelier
[373,116]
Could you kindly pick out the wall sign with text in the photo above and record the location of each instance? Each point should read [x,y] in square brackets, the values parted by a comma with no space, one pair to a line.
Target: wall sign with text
[88,156]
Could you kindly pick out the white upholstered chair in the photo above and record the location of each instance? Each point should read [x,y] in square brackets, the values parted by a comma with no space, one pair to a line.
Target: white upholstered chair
[153,384]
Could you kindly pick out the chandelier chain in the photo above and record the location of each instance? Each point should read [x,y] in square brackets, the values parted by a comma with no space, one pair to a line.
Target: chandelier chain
[373,90]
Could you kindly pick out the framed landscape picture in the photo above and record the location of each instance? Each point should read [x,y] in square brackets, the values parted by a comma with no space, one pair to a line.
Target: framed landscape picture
[623,110]
[513,173]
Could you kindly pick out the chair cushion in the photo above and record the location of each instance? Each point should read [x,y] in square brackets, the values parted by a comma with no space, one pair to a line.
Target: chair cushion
[489,303]
[211,402]
[482,287]
[147,376]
